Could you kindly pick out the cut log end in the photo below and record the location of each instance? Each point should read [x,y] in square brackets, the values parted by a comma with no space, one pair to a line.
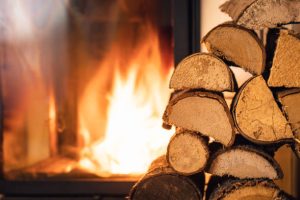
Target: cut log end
[246,189]
[235,8]
[202,112]
[187,152]
[285,71]
[202,71]
[238,45]
[290,101]
[244,162]
[257,115]
[259,14]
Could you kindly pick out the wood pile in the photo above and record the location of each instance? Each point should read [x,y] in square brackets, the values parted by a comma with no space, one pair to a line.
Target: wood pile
[234,143]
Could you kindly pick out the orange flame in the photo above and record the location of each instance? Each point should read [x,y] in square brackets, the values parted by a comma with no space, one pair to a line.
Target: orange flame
[133,134]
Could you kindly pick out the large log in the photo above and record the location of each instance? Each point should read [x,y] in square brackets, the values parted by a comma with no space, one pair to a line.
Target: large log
[202,71]
[285,69]
[203,112]
[238,45]
[259,14]
[187,152]
[161,182]
[244,189]
[244,162]
[257,115]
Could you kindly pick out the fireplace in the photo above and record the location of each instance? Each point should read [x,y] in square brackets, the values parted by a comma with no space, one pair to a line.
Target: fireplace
[83,85]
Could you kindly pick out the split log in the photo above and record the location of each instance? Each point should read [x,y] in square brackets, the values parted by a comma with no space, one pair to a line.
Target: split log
[257,115]
[285,70]
[202,71]
[238,45]
[161,182]
[203,112]
[244,162]
[296,147]
[173,95]
[268,148]
[244,189]
[187,152]
[271,43]
[290,101]
[260,14]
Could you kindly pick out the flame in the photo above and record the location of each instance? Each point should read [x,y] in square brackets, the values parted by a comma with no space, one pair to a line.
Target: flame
[52,124]
[133,134]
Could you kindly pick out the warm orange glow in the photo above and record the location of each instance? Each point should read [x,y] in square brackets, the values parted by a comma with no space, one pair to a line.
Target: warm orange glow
[133,134]
[52,125]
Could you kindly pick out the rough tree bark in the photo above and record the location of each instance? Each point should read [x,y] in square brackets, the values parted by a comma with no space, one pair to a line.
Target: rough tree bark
[259,14]
[161,182]
[244,189]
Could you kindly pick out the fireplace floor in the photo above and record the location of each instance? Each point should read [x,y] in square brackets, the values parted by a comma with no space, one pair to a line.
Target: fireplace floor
[85,189]
[49,180]
[59,168]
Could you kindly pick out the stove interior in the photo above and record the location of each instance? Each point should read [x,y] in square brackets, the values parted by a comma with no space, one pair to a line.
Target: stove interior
[84,85]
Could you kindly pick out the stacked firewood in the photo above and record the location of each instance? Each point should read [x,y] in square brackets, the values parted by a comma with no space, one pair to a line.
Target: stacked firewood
[234,142]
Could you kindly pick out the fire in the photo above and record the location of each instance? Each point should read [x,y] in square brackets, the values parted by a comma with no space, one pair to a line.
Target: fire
[133,135]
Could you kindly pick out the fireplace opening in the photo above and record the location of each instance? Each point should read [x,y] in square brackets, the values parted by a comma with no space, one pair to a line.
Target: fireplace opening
[83,88]
[85,95]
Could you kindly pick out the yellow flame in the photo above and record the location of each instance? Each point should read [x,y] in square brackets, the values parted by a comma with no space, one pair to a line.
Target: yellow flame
[52,124]
[133,136]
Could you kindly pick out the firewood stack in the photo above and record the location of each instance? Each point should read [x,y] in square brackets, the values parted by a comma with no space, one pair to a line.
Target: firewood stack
[236,144]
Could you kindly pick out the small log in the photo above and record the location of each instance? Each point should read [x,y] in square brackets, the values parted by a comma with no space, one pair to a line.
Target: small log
[244,189]
[238,45]
[244,162]
[187,152]
[202,71]
[202,112]
[161,182]
[260,14]
[290,101]
[257,115]
[285,70]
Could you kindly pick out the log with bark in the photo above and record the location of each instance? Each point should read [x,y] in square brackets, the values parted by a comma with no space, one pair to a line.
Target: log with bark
[244,189]
[162,182]
[260,14]
[268,148]
[285,71]
[187,152]
[244,162]
[238,45]
[290,101]
[202,71]
[203,112]
[257,115]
